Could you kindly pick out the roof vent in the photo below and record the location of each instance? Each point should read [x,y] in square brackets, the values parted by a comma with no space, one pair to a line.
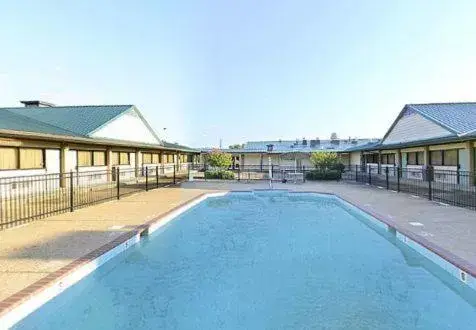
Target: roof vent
[315,142]
[37,103]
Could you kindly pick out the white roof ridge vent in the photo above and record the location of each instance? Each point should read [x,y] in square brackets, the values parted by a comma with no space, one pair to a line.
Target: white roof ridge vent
[37,103]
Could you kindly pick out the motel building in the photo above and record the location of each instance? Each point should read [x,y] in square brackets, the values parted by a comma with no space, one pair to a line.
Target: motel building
[288,154]
[40,138]
[440,136]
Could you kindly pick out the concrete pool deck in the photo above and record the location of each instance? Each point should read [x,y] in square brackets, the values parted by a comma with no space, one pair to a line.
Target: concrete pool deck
[34,251]
[32,255]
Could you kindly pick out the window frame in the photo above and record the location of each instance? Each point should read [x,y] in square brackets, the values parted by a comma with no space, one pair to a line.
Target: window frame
[128,158]
[419,158]
[43,159]
[94,158]
[148,155]
[384,159]
[90,155]
[432,157]
[18,165]
[16,156]
[445,156]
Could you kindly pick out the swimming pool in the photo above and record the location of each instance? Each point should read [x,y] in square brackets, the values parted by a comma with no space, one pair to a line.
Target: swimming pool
[266,259]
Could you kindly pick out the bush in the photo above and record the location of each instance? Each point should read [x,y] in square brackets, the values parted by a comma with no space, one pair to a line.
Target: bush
[218,159]
[324,175]
[219,174]
[324,159]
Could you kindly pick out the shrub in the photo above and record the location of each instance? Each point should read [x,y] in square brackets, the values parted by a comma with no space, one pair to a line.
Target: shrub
[218,159]
[319,174]
[324,159]
[219,174]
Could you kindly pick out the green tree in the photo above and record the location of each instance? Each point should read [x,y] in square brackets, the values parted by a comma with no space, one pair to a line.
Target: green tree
[219,159]
[324,160]
[236,146]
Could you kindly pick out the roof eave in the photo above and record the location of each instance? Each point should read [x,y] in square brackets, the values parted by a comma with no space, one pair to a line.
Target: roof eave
[87,140]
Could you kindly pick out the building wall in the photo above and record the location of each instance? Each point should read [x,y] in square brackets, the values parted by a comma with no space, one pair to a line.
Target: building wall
[129,126]
[413,127]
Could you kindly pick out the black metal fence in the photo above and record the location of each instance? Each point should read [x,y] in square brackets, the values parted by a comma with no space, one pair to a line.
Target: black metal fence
[450,187]
[27,198]
[254,172]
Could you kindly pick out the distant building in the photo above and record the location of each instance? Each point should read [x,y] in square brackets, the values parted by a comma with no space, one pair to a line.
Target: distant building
[440,135]
[290,153]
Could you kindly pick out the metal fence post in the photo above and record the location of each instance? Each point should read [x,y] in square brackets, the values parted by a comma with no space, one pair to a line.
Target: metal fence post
[239,173]
[386,176]
[118,182]
[398,178]
[430,178]
[370,175]
[303,173]
[174,174]
[71,192]
[146,178]
[356,173]
[458,169]
[157,176]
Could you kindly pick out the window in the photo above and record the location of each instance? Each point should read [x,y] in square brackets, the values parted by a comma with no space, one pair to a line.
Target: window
[415,158]
[436,157]
[450,157]
[8,158]
[155,158]
[146,158]
[31,158]
[124,158]
[99,158]
[85,158]
[115,158]
[372,158]
[444,157]
[388,159]
[170,158]
[189,158]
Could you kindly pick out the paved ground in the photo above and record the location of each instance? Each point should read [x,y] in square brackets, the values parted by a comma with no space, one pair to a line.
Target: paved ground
[451,228]
[33,251]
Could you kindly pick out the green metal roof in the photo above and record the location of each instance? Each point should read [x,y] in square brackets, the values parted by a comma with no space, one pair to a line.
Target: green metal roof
[16,122]
[74,121]
[178,146]
[79,120]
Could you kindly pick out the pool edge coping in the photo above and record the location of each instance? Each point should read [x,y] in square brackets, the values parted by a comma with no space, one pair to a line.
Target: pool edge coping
[17,306]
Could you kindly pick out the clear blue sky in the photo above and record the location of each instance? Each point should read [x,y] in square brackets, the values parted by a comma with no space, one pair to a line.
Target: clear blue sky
[242,70]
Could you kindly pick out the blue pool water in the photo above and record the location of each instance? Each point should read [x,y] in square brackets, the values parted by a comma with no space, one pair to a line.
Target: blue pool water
[264,260]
